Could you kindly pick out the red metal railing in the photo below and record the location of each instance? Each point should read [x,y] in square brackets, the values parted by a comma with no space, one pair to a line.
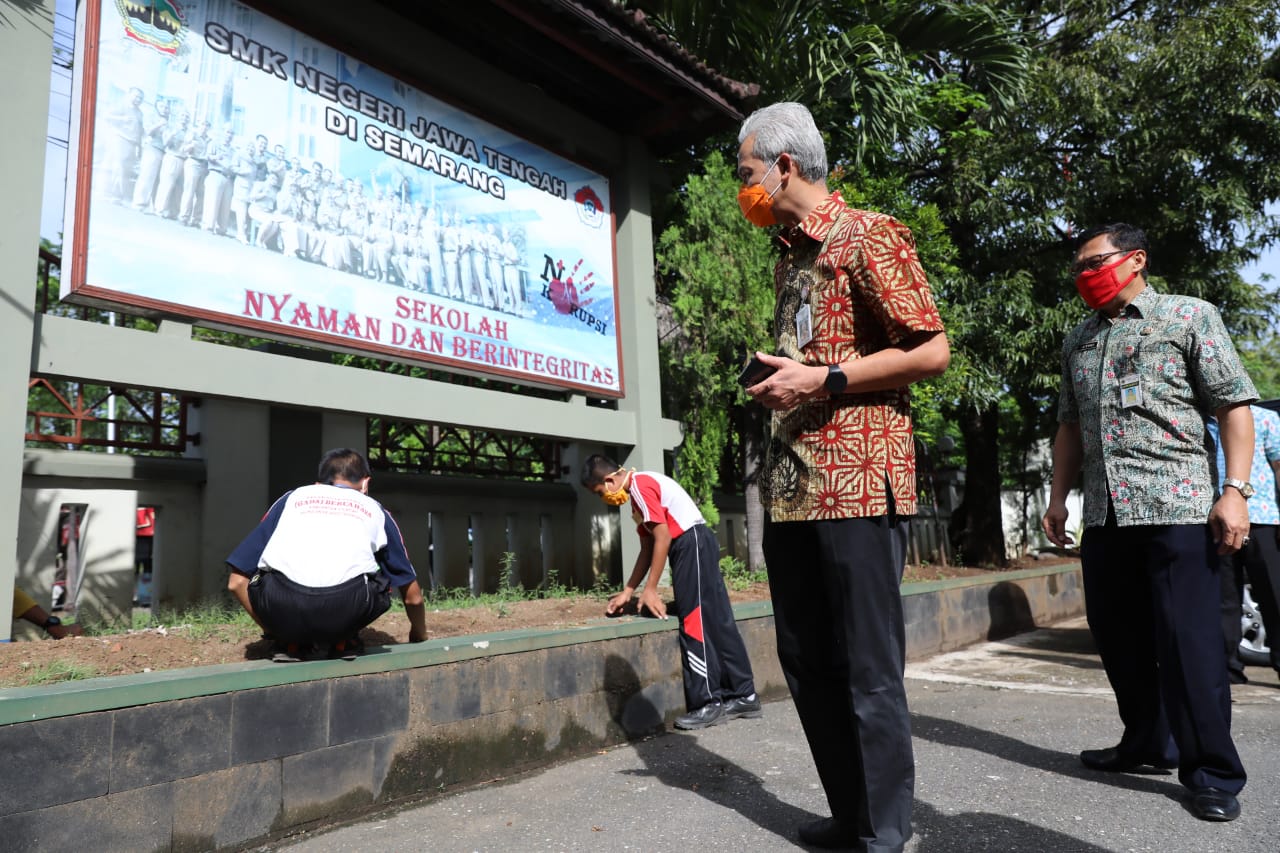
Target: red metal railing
[79,414]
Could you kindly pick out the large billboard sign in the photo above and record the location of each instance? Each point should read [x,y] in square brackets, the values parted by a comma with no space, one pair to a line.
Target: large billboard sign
[236,171]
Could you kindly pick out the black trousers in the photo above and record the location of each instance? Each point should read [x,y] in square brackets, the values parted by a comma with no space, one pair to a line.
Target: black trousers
[1151,597]
[1230,583]
[293,613]
[713,657]
[1260,562]
[838,614]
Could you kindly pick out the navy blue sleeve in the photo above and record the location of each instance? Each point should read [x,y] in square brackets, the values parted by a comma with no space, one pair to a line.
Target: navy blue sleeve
[244,559]
[394,558]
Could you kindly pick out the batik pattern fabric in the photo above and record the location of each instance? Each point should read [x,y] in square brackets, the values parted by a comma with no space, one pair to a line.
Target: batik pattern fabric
[837,457]
[1149,459]
[1263,507]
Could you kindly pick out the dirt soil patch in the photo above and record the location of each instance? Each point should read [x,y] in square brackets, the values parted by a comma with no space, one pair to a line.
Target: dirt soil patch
[178,646]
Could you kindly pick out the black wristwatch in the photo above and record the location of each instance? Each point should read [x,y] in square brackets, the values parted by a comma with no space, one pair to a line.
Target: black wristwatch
[836,380]
[51,622]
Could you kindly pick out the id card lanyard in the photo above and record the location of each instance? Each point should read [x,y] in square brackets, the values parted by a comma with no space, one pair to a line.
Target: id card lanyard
[804,315]
[1130,387]
[1130,391]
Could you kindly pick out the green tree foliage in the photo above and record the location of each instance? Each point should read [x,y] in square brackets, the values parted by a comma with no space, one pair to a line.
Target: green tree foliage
[860,67]
[1023,122]
[1261,356]
[866,72]
[716,285]
[1164,114]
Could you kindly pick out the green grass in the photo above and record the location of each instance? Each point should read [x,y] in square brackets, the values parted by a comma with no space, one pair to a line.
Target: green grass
[929,573]
[454,598]
[736,576]
[508,592]
[210,618]
[59,671]
[222,618]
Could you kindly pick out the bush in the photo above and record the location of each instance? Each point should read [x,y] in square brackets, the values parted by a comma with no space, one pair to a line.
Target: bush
[737,576]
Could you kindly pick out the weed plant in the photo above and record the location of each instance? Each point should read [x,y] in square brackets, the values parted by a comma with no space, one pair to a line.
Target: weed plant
[737,576]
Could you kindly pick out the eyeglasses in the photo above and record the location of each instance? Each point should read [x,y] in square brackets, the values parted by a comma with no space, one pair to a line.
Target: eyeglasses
[1093,263]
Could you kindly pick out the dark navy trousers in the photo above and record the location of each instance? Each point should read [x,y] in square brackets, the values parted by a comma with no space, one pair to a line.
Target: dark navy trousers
[1151,597]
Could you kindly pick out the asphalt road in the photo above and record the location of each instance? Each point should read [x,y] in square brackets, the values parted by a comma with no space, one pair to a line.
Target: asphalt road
[996,729]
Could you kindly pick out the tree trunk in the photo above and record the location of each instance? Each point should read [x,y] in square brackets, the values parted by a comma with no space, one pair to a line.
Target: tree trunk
[753,426]
[983,538]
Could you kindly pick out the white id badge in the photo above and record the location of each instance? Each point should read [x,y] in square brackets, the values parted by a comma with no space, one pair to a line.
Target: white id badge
[1130,391]
[804,326]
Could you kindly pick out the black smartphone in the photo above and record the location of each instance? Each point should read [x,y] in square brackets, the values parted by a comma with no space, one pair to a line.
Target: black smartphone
[754,372]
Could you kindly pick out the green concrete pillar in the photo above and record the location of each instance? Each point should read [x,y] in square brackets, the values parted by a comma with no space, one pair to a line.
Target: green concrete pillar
[638,326]
[234,441]
[26,56]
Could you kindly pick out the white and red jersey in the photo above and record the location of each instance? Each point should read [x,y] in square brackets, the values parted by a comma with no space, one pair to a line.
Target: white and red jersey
[658,499]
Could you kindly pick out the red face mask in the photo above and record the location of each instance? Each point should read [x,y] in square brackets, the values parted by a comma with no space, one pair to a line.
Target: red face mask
[1100,286]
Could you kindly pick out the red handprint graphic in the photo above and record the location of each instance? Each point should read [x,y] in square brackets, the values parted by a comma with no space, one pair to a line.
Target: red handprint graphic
[564,294]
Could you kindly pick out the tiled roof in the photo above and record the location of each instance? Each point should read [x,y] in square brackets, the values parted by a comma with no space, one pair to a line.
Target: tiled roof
[602,59]
[667,50]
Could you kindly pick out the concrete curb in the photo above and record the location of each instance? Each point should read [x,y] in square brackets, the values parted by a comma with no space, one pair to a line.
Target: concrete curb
[218,756]
[940,616]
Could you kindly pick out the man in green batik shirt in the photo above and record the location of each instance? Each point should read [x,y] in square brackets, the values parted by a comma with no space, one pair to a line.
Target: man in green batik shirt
[1140,376]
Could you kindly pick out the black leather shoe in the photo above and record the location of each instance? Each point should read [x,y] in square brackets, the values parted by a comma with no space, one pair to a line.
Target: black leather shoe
[709,714]
[744,706]
[1113,761]
[1215,804]
[829,833]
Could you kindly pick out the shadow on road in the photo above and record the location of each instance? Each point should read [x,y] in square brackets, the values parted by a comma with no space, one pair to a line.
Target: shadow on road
[678,761]
[1075,641]
[971,831]
[951,733]
[1059,660]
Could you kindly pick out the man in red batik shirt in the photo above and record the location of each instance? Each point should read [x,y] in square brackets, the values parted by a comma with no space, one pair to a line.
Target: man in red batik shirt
[855,325]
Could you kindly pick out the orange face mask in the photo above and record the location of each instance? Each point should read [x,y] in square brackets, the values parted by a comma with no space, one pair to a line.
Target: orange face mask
[757,202]
[619,497]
